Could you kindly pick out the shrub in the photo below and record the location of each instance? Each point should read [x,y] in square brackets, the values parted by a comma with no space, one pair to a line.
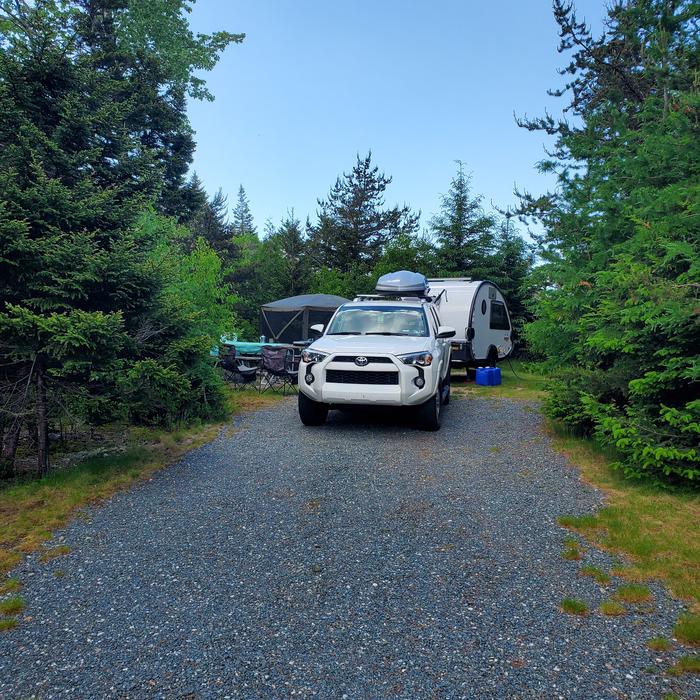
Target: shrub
[156,394]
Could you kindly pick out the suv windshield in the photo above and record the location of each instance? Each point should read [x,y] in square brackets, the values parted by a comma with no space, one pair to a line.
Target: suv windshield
[379,320]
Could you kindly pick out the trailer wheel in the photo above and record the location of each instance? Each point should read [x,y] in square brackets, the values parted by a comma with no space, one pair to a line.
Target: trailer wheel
[492,357]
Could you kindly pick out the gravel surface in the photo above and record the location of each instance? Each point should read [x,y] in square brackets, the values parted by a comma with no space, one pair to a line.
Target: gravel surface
[362,559]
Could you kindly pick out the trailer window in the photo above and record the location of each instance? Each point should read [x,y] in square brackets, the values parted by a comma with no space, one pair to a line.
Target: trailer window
[499,317]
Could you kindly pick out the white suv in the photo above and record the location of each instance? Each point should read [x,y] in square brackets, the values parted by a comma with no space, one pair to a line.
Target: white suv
[378,351]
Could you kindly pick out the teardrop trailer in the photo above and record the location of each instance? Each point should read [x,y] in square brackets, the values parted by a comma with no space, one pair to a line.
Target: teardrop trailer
[479,313]
[392,347]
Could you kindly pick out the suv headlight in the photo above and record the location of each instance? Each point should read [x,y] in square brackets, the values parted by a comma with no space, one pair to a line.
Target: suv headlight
[313,356]
[422,359]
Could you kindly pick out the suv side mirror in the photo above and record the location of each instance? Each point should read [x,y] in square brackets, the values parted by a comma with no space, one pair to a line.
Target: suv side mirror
[317,328]
[446,332]
[470,333]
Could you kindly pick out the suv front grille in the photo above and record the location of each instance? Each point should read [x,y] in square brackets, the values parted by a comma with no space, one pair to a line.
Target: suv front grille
[341,376]
[352,358]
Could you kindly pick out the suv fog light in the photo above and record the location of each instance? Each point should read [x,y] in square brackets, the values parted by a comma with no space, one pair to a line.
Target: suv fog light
[309,378]
[419,382]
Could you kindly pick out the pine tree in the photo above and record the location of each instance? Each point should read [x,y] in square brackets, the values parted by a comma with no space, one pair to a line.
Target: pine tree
[81,155]
[210,223]
[353,224]
[509,267]
[292,246]
[243,223]
[463,231]
[619,285]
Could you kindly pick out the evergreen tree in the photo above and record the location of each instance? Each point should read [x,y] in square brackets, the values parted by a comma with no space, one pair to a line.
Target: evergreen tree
[353,224]
[289,238]
[76,168]
[210,223]
[619,287]
[243,223]
[509,267]
[462,230]
[193,198]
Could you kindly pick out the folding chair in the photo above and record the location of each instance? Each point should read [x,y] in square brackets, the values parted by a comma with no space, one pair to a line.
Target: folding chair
[236,372]
[277,369]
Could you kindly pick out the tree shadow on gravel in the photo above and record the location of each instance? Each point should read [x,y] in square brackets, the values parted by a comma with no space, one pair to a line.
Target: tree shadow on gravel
[376,417]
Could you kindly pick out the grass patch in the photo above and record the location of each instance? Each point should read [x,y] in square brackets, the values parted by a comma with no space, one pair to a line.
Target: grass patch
[10,585]
[687,629]
[574,606]
[55,552]
[598,575]
[572,550]
[686,664]
[7,624]
[527,385]
[612,608]
[659,644]
[655,527]
[633,593]
[12,606]
[32,510]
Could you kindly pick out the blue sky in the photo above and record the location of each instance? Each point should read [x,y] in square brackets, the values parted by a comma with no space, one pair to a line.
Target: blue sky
[422,84]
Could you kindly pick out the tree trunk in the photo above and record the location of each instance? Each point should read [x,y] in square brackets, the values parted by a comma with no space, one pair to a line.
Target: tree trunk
[9,449]
[42,423]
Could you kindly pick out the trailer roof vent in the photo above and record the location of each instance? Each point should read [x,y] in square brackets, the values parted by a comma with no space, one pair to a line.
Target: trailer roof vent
[402,283]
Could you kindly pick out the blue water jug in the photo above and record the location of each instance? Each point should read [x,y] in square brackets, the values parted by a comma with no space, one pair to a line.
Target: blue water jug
[488,376]
[482,376]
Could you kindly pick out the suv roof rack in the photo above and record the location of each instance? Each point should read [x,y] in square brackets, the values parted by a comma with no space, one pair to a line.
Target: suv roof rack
[392,297]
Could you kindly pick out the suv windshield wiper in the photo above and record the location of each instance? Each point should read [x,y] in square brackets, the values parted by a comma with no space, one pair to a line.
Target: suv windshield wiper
[384,333]
[345,333]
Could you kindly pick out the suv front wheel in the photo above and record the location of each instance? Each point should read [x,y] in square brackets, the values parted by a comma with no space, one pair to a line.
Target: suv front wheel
[311,412]
[429,413]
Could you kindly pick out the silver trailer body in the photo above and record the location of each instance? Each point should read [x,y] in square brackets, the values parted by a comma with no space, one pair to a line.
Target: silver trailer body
[479,313]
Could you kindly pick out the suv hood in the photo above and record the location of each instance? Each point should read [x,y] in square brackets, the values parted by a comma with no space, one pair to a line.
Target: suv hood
[389,344]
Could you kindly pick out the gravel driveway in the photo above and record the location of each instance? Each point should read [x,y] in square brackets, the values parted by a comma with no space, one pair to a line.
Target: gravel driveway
[362,559]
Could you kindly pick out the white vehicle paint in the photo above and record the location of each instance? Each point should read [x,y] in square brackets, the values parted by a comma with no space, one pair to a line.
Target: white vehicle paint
[378,351]
[479,313]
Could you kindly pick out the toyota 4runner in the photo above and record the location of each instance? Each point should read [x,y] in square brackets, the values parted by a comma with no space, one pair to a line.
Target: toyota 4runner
[378,351]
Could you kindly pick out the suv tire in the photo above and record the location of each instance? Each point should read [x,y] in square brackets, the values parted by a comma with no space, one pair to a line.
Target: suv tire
[447,386]
[429,413]
[312,412]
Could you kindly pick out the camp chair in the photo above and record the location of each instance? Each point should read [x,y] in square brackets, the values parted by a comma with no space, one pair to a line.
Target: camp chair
[277,369]
[235,371]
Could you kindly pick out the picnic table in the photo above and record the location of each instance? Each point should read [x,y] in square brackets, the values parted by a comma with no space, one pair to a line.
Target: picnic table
[246,349]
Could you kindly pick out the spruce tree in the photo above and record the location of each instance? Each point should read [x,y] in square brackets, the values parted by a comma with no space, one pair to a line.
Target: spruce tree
[464,233]
[289,238]
[619,284]
[210,223]
[242,224]
[81,155]
[353,224]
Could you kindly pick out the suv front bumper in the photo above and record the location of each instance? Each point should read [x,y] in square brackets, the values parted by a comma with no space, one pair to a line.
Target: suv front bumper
[404,392]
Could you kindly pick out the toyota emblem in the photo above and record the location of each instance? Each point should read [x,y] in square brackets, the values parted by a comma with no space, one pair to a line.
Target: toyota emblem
[361,361]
